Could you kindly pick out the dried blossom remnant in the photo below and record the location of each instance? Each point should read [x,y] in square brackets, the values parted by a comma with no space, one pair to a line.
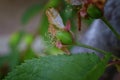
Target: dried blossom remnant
[52,30]
[54,18]
[58,44]
[62,47]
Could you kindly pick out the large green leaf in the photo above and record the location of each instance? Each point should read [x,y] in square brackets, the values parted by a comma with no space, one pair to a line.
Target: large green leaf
[61,67]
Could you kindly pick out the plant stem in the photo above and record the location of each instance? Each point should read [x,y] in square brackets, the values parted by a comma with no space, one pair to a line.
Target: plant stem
[111,28]
[113,63]
[90,47]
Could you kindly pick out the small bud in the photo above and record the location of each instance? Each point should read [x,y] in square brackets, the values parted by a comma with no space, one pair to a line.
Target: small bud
[59,44]
[68,26]
[94,12]
[65,37]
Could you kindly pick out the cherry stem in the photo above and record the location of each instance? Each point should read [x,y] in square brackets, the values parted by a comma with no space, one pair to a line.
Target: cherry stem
[113,63]
[90,47]
[111,27]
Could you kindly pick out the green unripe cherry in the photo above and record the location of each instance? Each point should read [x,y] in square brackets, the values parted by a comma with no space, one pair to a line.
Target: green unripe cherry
[65,37]
[94,12]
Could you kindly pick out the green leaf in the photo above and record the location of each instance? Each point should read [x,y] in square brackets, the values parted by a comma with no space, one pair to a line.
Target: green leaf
[43,28]
[61,67]
[52,3]
[68,12]
[30,13]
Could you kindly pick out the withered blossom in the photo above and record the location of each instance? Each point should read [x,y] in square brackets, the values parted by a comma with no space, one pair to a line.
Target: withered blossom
[54,18]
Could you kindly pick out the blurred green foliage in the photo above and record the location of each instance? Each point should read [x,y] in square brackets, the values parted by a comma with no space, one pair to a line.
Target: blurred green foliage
[16,56]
